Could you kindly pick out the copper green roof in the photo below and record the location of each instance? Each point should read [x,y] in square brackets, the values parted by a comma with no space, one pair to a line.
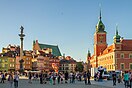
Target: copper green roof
[55,49]
[117,36]
[100,27]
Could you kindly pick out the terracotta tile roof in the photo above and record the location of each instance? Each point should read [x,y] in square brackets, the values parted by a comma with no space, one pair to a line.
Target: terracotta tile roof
[126,44]
[109,49]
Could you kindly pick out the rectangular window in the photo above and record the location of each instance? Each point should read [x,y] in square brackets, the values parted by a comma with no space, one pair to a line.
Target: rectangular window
[26,62]
[122,65]
[66,64]
[13,60]
[5,60]
[130,56]
[131,66]
[66,68]
[10,65]
[112,66]
[6,65]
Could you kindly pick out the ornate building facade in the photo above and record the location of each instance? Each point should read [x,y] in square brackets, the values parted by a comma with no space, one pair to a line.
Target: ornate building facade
[47,56]
[117,56]
[67,64]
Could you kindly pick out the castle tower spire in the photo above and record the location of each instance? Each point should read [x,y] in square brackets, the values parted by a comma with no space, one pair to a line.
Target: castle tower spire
[100,43]
[100,27]
[100,14]
[117,36]
[116,29]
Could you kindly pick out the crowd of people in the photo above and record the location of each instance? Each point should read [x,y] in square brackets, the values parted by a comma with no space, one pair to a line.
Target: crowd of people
[11,77]
[125,78]
[54,78]
[59,78]
[44,77]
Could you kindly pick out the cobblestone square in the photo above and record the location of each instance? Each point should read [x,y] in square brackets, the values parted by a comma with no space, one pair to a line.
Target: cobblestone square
[23,83]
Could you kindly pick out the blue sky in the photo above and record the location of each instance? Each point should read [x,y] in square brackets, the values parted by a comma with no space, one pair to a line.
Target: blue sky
[70,24]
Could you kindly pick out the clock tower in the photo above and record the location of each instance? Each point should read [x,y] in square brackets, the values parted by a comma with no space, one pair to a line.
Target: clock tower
[100,43]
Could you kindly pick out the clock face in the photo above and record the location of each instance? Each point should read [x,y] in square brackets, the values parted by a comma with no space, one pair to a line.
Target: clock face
[101,37]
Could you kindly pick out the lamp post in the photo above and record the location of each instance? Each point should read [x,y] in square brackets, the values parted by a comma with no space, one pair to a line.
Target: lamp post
[21,49]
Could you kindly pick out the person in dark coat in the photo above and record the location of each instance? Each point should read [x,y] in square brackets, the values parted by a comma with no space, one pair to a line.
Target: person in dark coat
[59,77]
[30,77]
[2,77]
[85,78]
[114,78]
[73,78]
[41,78]
[66,77]
[89,75]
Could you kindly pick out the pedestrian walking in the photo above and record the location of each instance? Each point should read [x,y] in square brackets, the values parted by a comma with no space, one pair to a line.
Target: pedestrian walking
[114,78]
[2,77]
[10,80]
[54,78]
[126,79]
[41,77]
[30,77]
[73,77]
[85,78]
[80,77]
[131,80]
[66,77]
[51,79]
[58,78]
[16,78]
[62,77]
[119,78]
[89,75]
[35,77]
[70,75]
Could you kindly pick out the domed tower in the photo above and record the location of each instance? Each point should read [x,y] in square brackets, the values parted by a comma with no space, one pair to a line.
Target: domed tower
[100,27]
[100,43]
[117,40]
[117,36]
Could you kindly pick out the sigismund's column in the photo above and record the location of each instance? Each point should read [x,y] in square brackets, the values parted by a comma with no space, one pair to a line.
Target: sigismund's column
[21,48]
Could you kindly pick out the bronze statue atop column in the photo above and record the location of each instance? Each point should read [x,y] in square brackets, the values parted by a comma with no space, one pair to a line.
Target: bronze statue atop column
[21,48]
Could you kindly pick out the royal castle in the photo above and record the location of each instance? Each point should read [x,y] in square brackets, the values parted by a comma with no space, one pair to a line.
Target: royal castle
[117,56]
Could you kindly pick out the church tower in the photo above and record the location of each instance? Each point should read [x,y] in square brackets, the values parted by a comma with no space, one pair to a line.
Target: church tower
[117,40]
[117,36]
[88,56]
[100,43]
